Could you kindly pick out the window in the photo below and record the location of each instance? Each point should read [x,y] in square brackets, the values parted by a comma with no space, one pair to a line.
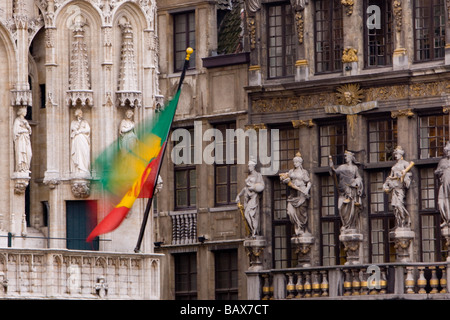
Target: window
[382,139]
[379,45]
[332,142]
[330,223]
[329,35]
[226,275]
[185,174]
[281,41]
[81,219]
[225,173]
[381,219]
[185,276]
[430,234]
[433,135]
[283,253]
[288,147]
[184,37]
[429,33]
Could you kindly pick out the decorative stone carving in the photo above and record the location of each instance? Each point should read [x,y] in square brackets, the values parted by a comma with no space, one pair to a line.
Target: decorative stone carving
[4,282]
[81,188]
[128,93]
[101,287]
[300,23]
[255,249]
[79,76]
[350,55]
[298,181]
[398,15]
[349,94]
[303,123]
[348,6]
[402,113]
[254,185]
[22,143]
[21,98]
[80,132]
[21,181]
[397,184]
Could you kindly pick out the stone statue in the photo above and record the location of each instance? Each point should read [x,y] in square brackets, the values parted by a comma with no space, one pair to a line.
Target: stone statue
[297,203]
[22,142]
[127,136]
[350,188]
[254,185]
[443,173]
[397,184]
[80,132]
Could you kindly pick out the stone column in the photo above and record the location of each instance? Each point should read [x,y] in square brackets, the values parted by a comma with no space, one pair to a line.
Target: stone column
[301,13]
[352,55]
[253,23]
[400,58]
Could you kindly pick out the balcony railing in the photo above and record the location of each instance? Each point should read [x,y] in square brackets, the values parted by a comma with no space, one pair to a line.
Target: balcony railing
[383,281]
[184,227]
[67,274]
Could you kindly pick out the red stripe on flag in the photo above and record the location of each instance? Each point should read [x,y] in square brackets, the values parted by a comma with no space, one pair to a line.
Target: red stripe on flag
[109,223]
[149,185]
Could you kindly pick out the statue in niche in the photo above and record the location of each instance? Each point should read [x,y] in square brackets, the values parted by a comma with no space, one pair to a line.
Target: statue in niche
[397,184]
[254,185]
[22,142]
[80,132]
[350,188]
[299,182]
[127,136]
[443,173]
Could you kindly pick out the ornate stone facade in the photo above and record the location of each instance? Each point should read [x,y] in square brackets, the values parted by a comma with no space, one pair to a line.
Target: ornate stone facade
[60,58]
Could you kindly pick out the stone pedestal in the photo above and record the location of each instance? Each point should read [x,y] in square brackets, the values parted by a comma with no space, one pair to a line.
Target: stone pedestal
[303,245]
[18,224]
[352,241]
[301,70]
[254,75]
[255,248]
[445,231]
[400,59]
[403,238]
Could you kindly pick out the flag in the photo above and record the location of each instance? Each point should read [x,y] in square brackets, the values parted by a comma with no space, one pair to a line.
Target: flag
[134,172]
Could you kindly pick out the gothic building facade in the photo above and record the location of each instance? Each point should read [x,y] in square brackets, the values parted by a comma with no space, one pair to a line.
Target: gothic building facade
[71,71]
[333,78]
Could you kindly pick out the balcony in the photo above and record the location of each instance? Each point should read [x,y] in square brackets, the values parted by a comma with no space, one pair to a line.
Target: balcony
[416,281]
[67,274]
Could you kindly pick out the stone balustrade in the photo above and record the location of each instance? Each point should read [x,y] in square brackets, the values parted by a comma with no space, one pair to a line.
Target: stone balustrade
[383,281]
[184,227]
[68,274]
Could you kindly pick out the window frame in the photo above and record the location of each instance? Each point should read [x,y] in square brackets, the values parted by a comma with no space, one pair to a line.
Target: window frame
[387,22]
[229,167]
[188,41]
[284,36]
[431,31]
[337,158]
[335,44]
[231,292]
[191,293]
[394,139]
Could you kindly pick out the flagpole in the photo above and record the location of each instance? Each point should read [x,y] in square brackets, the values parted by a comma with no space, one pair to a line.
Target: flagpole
[137,249]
